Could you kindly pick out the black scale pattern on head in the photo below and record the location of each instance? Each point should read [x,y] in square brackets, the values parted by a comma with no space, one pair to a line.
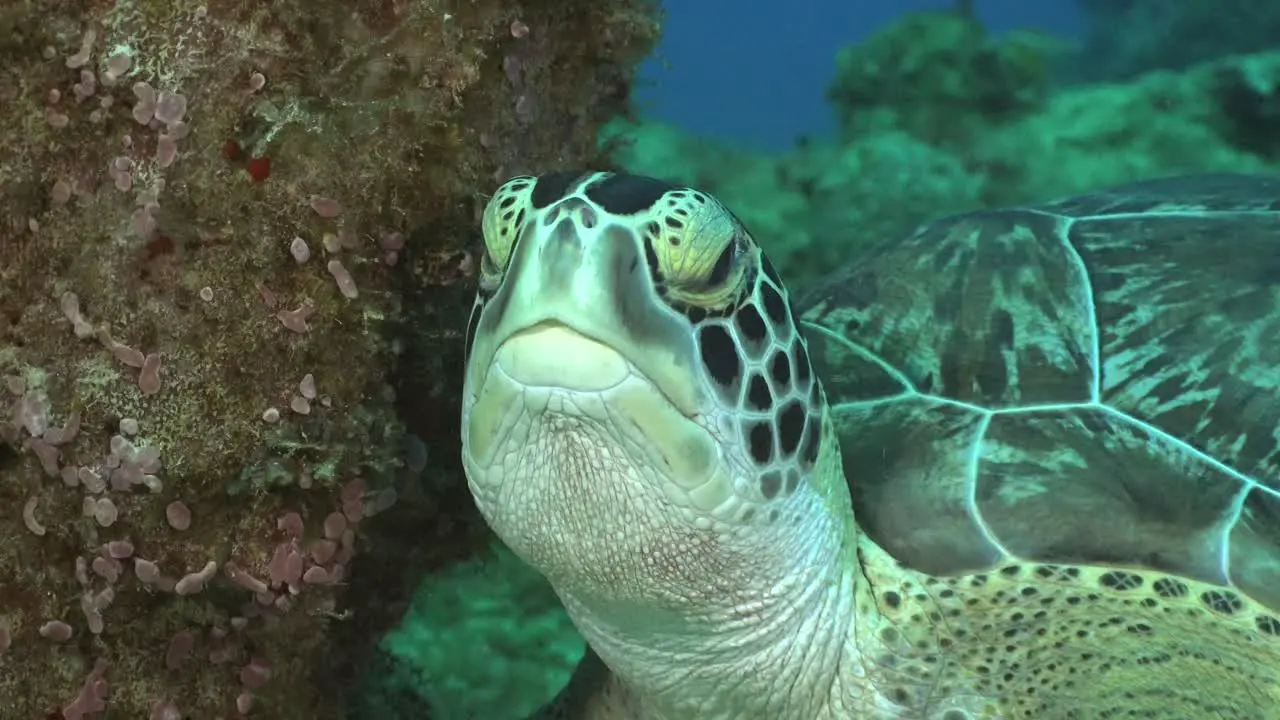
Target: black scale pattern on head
[780,368]
[651,258]
[769,271]
[760,438]
[800,363]
[791,422]
[774,306]
[628,194]
[551,187]
[751,329]
[719,355]
[812,440]
[759,396]
[515,186]
[698,314]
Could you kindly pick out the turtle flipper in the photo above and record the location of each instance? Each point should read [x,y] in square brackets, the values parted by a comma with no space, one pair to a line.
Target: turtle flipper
[593,693]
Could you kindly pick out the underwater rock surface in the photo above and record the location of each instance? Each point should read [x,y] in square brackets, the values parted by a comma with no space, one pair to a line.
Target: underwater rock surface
[234,269]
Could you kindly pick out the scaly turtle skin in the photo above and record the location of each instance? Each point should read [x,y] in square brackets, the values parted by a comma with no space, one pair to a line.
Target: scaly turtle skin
[1056,428]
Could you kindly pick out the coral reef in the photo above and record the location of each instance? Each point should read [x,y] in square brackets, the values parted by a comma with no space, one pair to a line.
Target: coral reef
[939,76]
[1128,37]
[896,163]
[234,248]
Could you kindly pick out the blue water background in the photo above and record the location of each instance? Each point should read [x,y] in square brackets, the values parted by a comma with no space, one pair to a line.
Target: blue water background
[754,72]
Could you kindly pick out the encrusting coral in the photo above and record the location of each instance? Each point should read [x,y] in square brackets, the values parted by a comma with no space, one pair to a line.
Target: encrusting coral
[224,226]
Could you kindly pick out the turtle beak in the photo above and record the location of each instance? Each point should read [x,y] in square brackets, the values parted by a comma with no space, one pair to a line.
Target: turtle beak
[578,309]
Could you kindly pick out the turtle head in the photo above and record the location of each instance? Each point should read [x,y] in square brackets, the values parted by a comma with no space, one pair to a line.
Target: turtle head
[640,413]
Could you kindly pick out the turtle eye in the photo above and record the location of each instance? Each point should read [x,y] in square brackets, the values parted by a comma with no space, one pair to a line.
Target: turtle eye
[700,250]
[503,218]
[500,240]
[490,272]
[719,273]
[717,285]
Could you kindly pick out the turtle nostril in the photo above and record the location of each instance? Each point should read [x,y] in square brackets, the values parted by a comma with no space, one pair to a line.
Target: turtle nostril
[587,217]
[564,234]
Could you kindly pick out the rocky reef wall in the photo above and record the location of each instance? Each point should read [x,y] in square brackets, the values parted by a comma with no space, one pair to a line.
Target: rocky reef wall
[235,248]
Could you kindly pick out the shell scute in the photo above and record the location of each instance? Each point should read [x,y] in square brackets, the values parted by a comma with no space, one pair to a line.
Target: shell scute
[1189,311]
[928,525]
[1092,382]
[1088,487]
[990,309]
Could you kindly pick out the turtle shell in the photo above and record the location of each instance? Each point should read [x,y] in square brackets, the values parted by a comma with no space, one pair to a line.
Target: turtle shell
[1092,381]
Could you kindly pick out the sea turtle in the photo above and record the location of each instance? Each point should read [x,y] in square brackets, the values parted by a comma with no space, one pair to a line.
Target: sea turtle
[1021,463]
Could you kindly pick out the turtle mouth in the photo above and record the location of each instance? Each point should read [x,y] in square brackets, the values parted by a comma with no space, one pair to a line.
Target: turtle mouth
[551,354]
[548,381]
